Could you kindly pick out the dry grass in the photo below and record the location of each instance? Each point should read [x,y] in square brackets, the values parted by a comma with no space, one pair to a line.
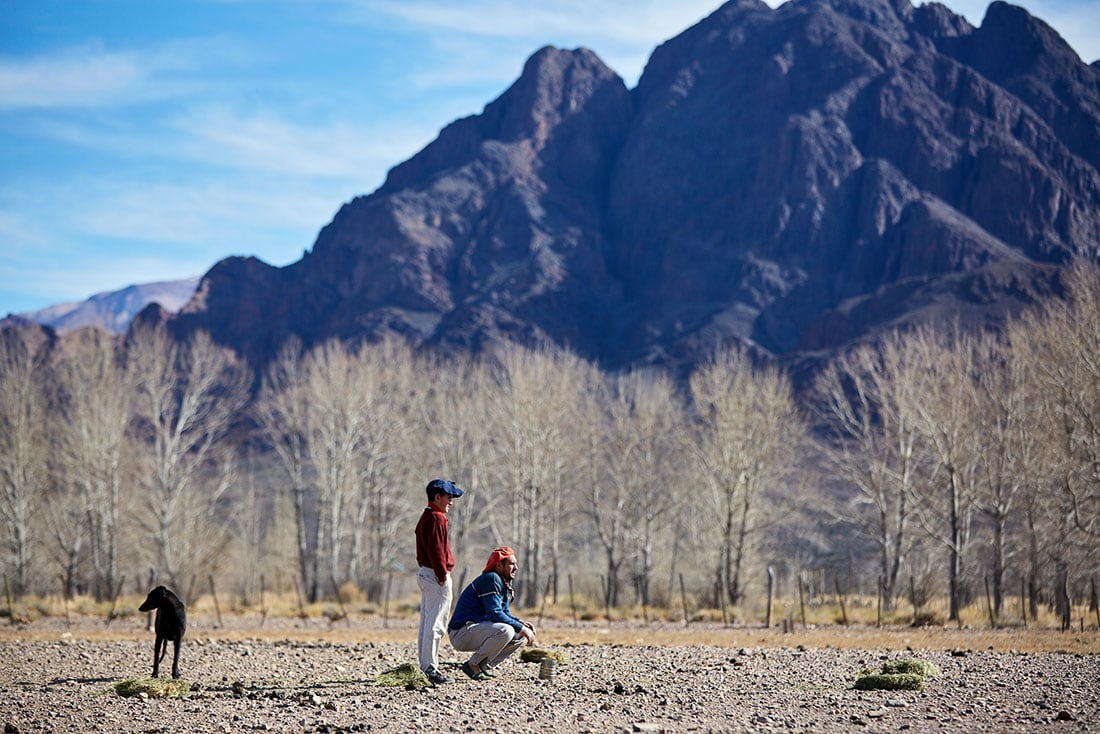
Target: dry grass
[281,618]
[152,688]
[536,655]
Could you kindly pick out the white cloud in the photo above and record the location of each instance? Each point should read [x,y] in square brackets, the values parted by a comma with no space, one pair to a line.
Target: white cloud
[73,78]
[91,76]
[211,217]
[617,21]
[264,141]
[621,32]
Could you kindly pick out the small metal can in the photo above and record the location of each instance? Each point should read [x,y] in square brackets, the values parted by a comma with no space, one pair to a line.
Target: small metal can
[548,668]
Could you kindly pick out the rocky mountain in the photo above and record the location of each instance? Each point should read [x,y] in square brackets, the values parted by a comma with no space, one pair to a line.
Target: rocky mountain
[113,310]
[791,179]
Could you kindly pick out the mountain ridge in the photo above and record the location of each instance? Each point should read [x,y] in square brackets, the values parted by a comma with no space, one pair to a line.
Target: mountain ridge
[788,179]
[113,310]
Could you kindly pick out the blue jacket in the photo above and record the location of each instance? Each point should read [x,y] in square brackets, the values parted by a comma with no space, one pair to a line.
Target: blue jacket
[484,600]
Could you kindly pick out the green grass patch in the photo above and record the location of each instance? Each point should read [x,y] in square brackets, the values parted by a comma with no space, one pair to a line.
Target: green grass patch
[906,665]
[889,682]
[405,674]
[153,687]
[536,654]
[905,674]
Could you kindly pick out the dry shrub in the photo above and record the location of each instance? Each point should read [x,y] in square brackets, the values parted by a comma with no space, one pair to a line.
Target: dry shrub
[536,654]
[707,614]
[405,674]
[332,614]
[927,619]
[153,687]
[349,592]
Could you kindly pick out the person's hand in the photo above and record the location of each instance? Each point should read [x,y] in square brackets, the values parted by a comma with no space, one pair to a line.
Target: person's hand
[443,581]
[528,633]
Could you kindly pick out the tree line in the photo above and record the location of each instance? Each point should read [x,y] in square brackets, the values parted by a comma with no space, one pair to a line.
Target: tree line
[931,462]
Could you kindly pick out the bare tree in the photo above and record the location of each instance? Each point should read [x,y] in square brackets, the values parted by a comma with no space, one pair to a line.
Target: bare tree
[749,438]
[187,397]
[281,411]
[1058,346]
[943,368]
[23,468]
[872,446]
[643,421]
[1009,447]
[1070,372]
[91,431]
[455,429]
[391,388]
[539,394]
[338,430]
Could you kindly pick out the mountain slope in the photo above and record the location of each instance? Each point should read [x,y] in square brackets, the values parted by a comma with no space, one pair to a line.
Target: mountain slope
[113,310]
[788,178]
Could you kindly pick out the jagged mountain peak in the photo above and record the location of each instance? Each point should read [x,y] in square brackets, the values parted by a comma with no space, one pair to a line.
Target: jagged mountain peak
[788,178]
[556,87]
[1021,42]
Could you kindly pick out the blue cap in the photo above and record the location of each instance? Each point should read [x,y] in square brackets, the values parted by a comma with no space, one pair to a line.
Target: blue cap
[442,485]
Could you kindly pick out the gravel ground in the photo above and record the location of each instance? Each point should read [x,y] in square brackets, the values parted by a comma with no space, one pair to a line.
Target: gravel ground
[61,680]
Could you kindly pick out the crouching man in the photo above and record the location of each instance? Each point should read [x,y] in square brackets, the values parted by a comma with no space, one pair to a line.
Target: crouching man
[483,623]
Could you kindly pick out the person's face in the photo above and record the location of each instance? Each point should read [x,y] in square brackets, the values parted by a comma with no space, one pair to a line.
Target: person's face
[442,502]
[507,568]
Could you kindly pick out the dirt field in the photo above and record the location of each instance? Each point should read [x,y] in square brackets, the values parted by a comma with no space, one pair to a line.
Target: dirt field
[316,676]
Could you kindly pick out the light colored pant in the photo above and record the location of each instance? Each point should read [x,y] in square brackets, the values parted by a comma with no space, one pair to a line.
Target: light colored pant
[491,642]
[435,603]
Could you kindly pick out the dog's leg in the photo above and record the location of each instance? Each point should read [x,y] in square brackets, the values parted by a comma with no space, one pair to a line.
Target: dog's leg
[175,658]
[157,655]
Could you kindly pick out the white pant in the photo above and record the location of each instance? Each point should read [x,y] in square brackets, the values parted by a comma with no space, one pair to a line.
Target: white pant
[491,642]
[435,603]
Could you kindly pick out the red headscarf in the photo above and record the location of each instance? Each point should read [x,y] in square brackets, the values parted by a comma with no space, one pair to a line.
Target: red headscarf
[497,556]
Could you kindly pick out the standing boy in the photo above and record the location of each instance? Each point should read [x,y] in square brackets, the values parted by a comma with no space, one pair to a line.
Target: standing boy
[433,554]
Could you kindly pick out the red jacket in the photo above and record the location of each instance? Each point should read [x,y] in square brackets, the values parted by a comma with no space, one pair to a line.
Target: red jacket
[433,547]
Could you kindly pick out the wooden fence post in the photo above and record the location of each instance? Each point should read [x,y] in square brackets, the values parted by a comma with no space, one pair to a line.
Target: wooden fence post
[572,600]
[684,599]
[298,594]
[114,600]
[771,590]
[542,606]
[879,594]
[263,600]
[150,613]
[605,586]
[801,600]
[840,600]
[11,606]
[1094,601]
[336,590]
[386,600]
[214,594]
[989,604]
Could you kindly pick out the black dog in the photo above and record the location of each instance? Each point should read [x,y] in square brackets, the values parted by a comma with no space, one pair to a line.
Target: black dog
[171,624]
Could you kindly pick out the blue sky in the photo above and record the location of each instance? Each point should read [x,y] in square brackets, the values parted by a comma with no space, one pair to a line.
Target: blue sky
[144,140]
